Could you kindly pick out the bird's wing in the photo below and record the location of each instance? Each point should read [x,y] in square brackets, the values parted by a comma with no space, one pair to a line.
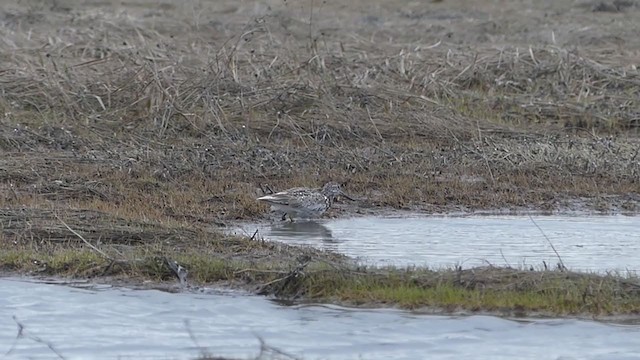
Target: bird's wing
[290,197]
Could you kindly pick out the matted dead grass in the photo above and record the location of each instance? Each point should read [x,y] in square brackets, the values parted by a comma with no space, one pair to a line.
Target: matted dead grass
[144,126]
[153,113]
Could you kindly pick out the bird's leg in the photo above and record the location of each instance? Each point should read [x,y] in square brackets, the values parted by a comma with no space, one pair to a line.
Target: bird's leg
[285,215]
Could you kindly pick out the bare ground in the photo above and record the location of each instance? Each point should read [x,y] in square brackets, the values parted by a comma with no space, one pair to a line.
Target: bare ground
[152,122]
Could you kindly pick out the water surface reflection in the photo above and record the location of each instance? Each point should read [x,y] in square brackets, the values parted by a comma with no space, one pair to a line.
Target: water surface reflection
[597,243]
[110,323]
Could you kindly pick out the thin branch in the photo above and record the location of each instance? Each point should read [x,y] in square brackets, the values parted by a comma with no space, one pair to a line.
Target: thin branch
[21,334]
[550,243]
[83,239]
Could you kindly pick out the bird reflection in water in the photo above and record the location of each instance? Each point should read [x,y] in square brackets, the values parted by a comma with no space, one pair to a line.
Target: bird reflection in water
[306,232]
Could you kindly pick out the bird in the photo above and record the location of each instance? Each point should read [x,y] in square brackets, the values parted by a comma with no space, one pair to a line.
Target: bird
[304,203]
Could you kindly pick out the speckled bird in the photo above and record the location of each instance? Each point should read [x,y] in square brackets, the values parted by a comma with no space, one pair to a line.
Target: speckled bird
[304,203]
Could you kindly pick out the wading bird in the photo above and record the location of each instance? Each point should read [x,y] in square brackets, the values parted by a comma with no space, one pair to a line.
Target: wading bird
[305,203]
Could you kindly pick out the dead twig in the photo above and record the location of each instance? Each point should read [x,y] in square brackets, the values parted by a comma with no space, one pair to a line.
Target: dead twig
[561,263]
[22,334]
[84,240]
[270,350]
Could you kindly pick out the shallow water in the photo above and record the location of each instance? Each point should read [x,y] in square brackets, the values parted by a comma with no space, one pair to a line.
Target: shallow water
[595,243]
[106,322]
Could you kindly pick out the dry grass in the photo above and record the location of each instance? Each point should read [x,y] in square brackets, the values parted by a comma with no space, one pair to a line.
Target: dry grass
[143,126]
[159,114]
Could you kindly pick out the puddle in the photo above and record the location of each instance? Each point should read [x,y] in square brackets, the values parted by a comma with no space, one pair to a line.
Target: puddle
[147,324]
[586,243]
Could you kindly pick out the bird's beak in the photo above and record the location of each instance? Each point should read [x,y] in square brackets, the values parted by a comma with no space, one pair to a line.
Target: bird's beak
[346,196]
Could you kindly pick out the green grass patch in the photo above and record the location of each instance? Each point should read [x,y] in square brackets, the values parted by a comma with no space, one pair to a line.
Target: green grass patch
[323,278]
